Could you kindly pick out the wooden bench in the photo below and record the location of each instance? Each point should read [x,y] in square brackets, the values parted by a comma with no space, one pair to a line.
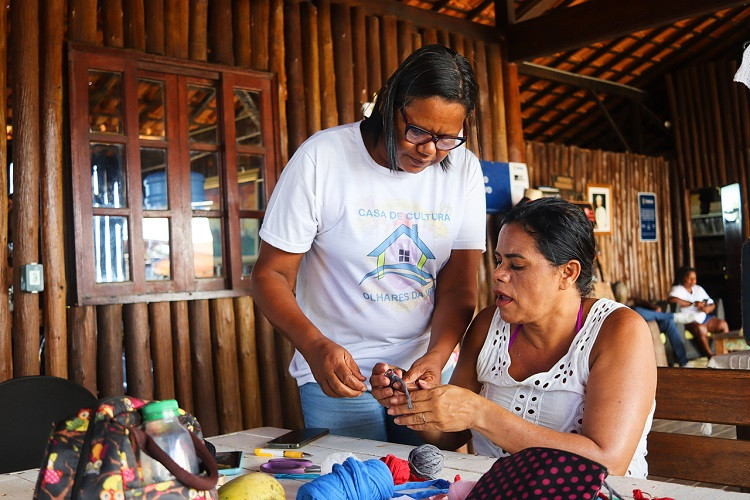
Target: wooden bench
[702,395]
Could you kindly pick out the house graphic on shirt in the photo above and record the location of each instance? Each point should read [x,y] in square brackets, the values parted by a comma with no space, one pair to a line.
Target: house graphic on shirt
[402,253]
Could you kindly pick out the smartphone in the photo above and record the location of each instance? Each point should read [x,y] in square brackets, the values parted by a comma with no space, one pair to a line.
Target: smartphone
[297,438]
[229,462]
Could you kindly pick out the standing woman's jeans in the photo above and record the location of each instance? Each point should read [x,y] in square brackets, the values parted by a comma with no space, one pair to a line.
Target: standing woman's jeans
[667,325]
[361,417]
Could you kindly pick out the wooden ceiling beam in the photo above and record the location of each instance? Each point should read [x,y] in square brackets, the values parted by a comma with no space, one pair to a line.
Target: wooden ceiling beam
[426,18]
[669,40]
[596,20]
[581,81]
[439,5]
[505,13]
[534,8]
[474,13]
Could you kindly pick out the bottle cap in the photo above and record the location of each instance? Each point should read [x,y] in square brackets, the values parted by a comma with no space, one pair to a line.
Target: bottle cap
[157,409]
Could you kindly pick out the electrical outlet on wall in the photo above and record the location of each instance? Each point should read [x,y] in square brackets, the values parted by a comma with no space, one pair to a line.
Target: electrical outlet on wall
[32,278]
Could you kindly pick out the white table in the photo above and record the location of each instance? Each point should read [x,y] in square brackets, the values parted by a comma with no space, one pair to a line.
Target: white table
[470,467]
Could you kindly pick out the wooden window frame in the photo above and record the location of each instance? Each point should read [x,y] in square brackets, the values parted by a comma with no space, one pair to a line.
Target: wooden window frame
[177,73]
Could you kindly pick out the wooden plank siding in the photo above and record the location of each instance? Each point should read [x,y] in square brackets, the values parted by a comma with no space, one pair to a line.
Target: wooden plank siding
[646,267]
[220,358]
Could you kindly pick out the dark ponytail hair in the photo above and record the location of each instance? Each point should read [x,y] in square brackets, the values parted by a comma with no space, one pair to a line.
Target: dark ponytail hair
[561,232]
[431,71]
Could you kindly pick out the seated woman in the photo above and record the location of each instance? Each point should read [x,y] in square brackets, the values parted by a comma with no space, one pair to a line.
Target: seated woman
[691,297]
[545,366]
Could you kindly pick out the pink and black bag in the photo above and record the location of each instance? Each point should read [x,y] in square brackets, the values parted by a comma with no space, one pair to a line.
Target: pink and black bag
[96,455]
[542,473]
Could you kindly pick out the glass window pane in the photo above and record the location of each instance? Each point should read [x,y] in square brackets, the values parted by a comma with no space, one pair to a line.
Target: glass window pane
[250,180]
[202,118]
[151,109]
[111,249]
[156,248]
[105,102]
[207,242]
[247,117]
[205,192]
[154,178]
[108,175]
[249,239]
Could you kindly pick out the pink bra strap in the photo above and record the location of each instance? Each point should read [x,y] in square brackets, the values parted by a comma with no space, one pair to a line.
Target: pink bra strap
[579,324]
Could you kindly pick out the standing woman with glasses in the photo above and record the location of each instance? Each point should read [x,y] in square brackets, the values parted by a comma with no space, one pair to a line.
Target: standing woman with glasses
[371,244]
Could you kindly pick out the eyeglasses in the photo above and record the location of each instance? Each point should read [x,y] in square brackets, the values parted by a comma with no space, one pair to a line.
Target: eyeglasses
[419,136]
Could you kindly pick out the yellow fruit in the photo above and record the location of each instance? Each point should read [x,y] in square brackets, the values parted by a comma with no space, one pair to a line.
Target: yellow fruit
[252,486]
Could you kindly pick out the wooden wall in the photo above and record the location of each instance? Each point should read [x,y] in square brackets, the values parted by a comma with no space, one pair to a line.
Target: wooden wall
[647,268]
[329,57]
[711,116]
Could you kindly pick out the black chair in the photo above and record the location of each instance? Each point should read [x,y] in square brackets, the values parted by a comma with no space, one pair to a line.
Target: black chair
[29,408]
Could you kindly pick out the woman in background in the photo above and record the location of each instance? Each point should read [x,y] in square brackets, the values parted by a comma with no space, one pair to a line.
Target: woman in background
[691,297]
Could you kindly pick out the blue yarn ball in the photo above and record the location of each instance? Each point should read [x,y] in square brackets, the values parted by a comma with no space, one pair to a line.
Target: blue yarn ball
[352,480]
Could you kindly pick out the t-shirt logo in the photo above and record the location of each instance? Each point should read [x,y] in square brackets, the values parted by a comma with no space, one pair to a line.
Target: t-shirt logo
[402,253]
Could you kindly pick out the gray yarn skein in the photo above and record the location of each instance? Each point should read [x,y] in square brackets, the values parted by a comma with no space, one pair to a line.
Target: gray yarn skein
[426,461]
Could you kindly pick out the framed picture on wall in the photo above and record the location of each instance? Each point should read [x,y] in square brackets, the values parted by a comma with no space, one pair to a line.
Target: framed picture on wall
[600,197]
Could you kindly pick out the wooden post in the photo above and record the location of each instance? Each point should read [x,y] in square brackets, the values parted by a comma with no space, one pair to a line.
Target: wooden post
[241,32]
[277,50]
[204,396]
[359,59]
[155,24]
[342,57]
[389,46]
[220,31]
[374,73]
[260,14]
[82,320]
[137,351]
[109,350]
[26,157]
[429,36]
[514,123]
[82,20]
[135,24]
[53,253]
[183,370]
[403,42]
[295,80]
[498,111]
[293,418]
[269,375]
[176,25]
[225,364]
[161,349]
[112,13]
[311,66]
[330,117]
[198,26]
[247,357]
[6,349]
[82,347]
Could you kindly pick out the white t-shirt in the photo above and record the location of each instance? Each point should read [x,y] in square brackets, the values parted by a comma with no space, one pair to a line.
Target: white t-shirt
[554,399]
[374,242]
[697,295]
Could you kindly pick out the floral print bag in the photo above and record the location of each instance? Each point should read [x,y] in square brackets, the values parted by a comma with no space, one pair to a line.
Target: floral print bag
[96,455]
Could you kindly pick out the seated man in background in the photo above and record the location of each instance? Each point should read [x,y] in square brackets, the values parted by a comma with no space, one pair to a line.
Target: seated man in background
[652,312]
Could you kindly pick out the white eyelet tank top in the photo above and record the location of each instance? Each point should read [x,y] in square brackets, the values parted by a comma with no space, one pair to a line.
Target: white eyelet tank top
[552,399]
